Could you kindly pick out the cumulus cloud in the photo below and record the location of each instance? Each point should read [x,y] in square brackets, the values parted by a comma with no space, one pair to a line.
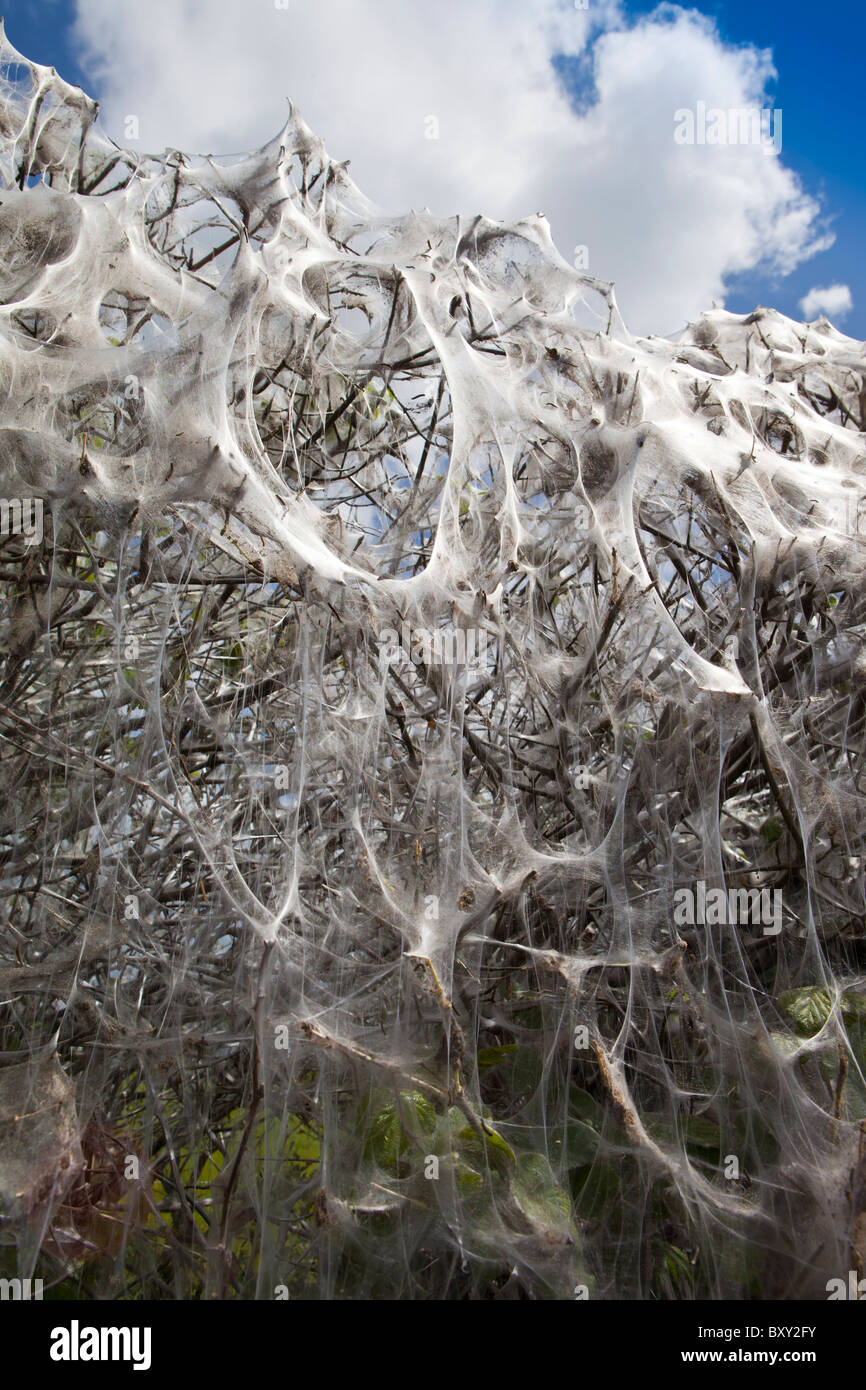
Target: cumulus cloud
[833,300]
[461,108]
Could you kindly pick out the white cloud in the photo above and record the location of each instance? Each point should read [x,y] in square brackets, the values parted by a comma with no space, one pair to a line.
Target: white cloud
[668,223]
[833,300]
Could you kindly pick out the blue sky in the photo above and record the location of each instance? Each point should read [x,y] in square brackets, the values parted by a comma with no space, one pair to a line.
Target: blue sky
[41,29]
[818,54]
[109,48]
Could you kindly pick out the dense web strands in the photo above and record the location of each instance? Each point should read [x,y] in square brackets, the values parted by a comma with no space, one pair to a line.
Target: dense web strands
[432,738]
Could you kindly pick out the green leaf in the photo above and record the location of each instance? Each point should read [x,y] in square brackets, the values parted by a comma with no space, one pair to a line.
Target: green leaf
[235,658]
[808,1009]
[497,1149]
[492,1056]
[581,1144]
[701,1134]
[679,1268]
[582,1106]
[468,1180]
[853,1005]
[496,1142]
[525,1071]
[395,1126]
[539,1196]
